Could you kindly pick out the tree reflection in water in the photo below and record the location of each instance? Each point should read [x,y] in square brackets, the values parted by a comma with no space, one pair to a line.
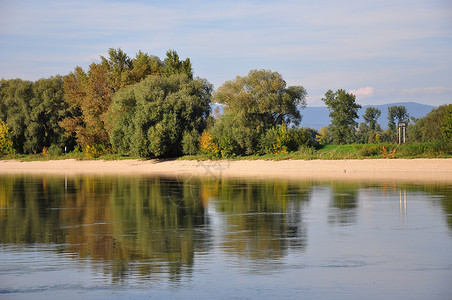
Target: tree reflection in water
[152,226]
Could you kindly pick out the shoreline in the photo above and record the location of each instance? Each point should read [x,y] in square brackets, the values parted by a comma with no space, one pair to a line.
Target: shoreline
[431,170]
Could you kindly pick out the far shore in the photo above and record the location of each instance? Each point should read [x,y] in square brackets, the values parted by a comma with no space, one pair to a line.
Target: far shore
[435,170]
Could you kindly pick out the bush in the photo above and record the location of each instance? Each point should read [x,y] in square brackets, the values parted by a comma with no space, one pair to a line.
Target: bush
[6,144]
[95,151]
[370,150]
[208,146]
[280,140]
[55,150]
[190,142]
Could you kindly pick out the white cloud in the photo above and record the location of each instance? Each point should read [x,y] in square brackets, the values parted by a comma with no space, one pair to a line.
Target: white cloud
[363,92]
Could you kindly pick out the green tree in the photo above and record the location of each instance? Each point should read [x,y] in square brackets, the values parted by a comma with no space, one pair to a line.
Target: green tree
[154,117]
[368,130]
[253,104]
[47,108]
[371,116]
[118,68]
[433,126]
[397,113]
[446,125]
[343,112]
[324,136]
[174,66]
[15,97]
[144,64]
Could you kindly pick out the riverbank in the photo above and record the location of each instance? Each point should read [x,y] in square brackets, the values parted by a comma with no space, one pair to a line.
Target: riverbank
[371,169]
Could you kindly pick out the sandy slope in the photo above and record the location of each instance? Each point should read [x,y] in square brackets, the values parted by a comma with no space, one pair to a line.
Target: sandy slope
[398,169]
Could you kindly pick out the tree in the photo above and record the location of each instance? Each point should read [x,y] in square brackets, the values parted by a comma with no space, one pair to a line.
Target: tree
[6,144]
[89,94]
[47,108]
[324,136]
[144,65]
[446,125]
[15,97]
[433,126]
[253,104]
[154,117]
[89,97]
[118,67]
[174,66]
[397,113]
[343,112]
[371,116]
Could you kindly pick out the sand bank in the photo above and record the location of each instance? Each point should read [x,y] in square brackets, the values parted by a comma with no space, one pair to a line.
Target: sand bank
[371,169]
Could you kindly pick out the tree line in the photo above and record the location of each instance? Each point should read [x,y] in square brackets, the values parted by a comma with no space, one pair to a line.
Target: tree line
[148,107]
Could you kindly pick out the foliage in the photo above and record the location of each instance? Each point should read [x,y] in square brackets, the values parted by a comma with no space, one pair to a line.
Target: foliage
[324,136]
[369,150]
[343,112]
[190,142]
[371,116]
[431,127]
[151,118]
[33,110]
[55,150]
[15,97]
[95,151]
[388,153]
[275,140]
[174,66]
[6,144]
[446,125]
[89,96]
[280,140]
[208,146]
[397,113]
[254,104]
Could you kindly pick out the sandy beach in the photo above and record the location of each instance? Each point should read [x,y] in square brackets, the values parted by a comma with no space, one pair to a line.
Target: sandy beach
[372,169]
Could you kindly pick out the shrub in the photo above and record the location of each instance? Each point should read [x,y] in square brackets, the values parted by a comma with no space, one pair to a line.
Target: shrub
[94,151]
[54,150]
[207,145]
[370,150]
[6,144]
[190,142]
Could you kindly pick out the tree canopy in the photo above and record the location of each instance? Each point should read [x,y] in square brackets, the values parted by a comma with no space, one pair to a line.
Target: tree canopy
[253,104]
[151,118]
[343,112]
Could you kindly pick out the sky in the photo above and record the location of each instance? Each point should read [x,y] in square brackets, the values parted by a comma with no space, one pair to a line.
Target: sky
[381,51]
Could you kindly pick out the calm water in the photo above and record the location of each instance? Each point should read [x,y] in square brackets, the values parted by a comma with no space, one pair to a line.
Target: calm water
[140,238]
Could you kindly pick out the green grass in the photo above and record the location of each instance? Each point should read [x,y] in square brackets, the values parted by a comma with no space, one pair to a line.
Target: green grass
[438,149]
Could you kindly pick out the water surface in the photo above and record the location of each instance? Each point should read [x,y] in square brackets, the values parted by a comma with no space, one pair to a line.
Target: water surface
[107,237]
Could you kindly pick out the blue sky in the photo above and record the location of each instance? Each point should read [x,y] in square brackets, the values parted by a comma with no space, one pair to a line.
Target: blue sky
[382,51]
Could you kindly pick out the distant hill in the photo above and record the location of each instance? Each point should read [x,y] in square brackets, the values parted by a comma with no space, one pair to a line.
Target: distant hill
[318,117]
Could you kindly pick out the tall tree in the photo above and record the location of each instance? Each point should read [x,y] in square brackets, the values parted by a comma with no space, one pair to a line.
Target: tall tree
[15,97]
[144,64]
[89,96]
[397,113]
[151,118]
[371,116]
[118,67]
[255,103]
[433,126]
[174,66]
[47,108]
[343,112]
[446,125]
